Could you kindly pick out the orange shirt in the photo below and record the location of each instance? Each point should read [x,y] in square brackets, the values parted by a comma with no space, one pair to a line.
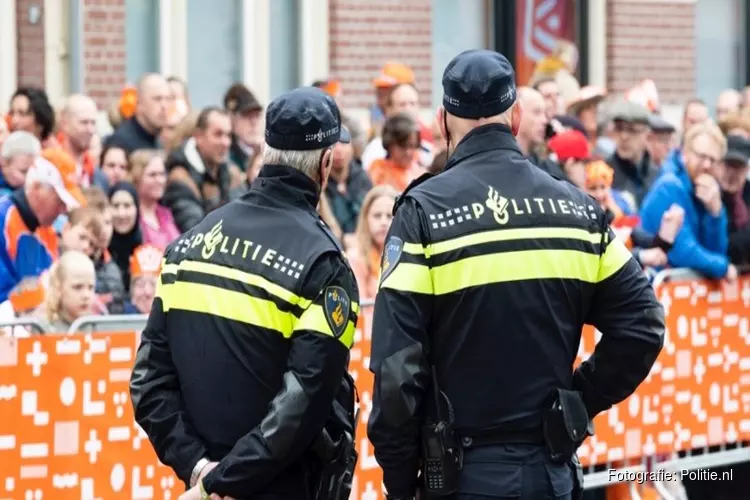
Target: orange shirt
[366,272]
[385,171]
[86,166]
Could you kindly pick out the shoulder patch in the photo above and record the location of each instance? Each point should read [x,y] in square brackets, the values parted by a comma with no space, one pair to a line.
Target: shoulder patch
[337,306]
[391,255]
[416,182]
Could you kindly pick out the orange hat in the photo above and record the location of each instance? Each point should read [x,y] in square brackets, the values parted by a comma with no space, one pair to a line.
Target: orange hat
[145,261]
[394,74]
[331,87]
[128,101]
[599,171]
[57,169]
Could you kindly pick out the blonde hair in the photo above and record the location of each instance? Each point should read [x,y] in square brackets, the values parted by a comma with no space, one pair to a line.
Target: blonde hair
[711,130]
[362,234]
[139,160]
[58,273]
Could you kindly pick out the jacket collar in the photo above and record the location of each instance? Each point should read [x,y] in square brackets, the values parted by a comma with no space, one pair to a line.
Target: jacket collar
[24,209]
[284,183]
[489,137]
[141,130]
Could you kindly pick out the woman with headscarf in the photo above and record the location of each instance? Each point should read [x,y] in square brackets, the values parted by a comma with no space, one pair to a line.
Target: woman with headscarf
[126,232]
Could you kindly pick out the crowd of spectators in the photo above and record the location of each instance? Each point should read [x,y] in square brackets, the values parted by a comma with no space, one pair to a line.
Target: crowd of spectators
[677,193]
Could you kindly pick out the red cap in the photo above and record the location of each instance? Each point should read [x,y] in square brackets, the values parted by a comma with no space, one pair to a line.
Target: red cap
[570,144]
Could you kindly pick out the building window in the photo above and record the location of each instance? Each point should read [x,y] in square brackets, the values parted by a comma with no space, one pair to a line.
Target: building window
[141,38]
[456,26]
[214,49]
[285,42]
[719,46]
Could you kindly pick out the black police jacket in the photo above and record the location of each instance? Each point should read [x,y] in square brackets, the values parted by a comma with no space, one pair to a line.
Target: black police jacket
[489,272]
[248,340]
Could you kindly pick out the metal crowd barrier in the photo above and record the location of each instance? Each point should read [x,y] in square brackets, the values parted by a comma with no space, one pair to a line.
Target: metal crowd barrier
[25,323]
[113,323]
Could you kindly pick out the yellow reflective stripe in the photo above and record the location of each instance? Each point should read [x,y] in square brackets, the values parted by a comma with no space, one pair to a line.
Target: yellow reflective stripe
[355,308]
[501,235]
[247,278]
[228,304]
[615,257]
[408,277]
[515,266]
[314,319]
[413,248]
[169,268]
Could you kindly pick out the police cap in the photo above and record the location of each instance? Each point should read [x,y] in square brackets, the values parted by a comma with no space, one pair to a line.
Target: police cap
[304,119]
[478,84]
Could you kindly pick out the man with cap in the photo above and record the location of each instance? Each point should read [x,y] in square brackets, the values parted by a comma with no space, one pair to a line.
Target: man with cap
[248,339]
[28,243]
[489,272]
[735,195]
[633,166]
[660,139]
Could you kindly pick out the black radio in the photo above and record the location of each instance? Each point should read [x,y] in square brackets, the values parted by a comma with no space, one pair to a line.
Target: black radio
[442,455]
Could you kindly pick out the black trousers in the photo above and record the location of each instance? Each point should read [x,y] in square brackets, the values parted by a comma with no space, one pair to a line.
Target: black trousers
[520,472]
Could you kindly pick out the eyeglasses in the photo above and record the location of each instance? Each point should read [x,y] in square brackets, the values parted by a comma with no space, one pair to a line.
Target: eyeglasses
[705,158]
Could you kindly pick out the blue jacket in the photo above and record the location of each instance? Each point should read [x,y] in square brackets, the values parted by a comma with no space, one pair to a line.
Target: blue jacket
[26,250]
[701,244]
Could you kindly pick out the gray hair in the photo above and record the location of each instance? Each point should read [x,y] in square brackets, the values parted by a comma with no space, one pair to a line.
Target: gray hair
[20,143]
[307,162]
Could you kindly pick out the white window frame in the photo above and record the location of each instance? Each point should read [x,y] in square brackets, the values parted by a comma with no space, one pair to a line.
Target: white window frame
[8,53]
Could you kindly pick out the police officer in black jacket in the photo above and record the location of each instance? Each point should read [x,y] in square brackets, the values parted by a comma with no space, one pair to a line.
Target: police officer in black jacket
[490,270]
[254,316]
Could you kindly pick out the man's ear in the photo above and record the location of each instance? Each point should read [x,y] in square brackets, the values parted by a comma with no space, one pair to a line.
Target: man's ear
[325,169]
[440,117]
[515,118]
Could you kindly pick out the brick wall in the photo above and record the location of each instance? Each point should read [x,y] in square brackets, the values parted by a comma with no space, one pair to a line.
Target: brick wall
[30,44]
[366,35]
[652,40]
[104,49]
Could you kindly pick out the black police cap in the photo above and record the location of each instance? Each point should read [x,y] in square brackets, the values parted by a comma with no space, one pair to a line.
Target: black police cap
[304,119]
[478,84]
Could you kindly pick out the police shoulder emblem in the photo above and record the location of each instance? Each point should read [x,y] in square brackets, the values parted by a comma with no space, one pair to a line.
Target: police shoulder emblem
[391,255]
[337,307]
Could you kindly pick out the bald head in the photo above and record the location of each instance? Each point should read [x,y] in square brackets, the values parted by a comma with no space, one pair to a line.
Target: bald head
[78,122]
[79,104]
[152,102]
[527,95]
[728,102]
[151,82]
[533,118]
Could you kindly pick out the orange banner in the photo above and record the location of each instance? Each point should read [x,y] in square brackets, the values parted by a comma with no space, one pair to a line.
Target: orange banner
[698,393]
[67,428]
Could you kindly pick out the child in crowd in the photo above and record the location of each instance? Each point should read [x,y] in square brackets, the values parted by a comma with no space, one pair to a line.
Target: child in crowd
[649,250]
[401,164]
[110,289]
[82,229]
[70,292]
[145,264]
